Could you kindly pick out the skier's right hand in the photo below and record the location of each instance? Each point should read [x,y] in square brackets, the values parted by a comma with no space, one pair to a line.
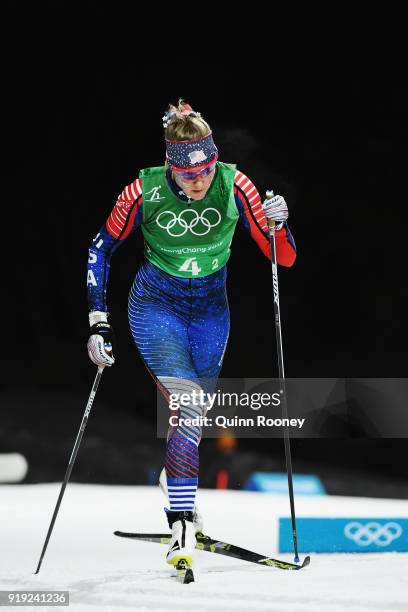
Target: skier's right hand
[101,342]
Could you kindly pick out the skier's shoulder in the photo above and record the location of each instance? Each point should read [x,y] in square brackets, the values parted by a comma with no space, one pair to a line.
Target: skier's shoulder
[130,193]
[241,177]
[244,186]
[226,166]
[152,172]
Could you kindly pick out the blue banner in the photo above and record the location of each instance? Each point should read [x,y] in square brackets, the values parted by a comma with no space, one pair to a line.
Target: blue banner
[328,535]
[277,483]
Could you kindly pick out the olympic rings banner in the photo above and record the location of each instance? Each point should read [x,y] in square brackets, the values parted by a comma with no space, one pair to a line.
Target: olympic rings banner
[335,535]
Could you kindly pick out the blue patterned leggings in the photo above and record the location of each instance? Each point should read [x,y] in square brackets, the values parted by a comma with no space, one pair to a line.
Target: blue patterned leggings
[180,327]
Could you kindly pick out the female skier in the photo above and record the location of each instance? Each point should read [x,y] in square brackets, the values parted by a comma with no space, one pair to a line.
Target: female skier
[178,309]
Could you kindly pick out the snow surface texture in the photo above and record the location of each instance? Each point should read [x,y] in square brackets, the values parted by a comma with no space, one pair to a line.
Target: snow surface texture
[105,573]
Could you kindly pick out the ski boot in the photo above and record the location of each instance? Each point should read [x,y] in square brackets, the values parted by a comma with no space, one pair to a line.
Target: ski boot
[182,544]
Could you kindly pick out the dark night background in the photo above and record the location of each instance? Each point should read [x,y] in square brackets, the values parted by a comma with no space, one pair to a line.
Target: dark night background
[316,113]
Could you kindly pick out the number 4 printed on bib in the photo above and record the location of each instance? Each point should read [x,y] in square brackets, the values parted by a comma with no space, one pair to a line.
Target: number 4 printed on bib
[194,269]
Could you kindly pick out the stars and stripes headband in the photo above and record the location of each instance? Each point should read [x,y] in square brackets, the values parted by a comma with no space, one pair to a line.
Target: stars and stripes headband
[196,154]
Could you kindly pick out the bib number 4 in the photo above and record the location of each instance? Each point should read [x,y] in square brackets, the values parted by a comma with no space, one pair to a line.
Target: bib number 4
[190,265]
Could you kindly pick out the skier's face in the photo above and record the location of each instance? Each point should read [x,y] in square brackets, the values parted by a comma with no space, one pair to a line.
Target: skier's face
[195,186]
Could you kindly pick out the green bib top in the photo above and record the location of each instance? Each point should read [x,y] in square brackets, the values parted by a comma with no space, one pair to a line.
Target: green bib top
[188,239]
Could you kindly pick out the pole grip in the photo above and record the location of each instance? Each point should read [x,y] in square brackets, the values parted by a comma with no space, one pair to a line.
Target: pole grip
[271,223]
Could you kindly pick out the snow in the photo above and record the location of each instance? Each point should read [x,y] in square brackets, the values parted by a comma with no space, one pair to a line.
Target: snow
[108,574]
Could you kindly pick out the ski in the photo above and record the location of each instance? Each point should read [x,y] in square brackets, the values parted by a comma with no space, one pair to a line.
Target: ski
[221,548]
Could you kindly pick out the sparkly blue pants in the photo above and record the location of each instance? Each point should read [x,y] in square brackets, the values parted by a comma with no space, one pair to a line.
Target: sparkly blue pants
[180,327]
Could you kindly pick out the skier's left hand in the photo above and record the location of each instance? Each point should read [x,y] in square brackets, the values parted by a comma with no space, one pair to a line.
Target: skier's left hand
[275,209]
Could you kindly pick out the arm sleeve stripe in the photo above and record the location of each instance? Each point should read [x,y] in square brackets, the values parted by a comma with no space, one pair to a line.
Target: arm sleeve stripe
[110,226]
[239,177]
[249,191]
[249,213]
[136,188]
[119,215]
[129,225]
[120,221]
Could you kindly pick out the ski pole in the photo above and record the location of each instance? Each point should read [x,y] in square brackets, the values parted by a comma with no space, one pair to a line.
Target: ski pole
[71,461]
[282,389]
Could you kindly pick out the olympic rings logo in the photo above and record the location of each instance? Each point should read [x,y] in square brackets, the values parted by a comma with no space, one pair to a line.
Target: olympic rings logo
[209,218]
[373,533]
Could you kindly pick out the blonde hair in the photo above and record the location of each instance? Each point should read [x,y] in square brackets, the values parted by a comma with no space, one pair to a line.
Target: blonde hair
[182,123]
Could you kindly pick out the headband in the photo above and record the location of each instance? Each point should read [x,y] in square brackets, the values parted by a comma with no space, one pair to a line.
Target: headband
[191,153]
